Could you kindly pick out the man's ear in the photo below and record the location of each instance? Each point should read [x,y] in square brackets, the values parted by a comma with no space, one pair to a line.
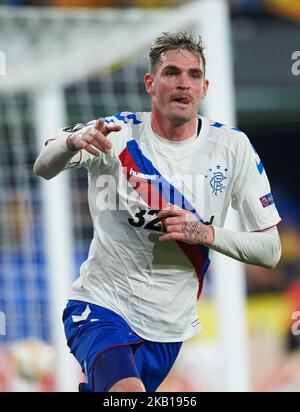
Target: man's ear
[148,81]
[205,87]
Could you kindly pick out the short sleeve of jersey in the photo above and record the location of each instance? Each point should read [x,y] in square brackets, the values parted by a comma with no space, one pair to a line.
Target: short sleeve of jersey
[252,196]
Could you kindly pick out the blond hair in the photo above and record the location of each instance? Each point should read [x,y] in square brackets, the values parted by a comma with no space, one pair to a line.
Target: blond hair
[175,41]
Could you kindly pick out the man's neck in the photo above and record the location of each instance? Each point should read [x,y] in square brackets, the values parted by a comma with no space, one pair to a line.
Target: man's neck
[168,130]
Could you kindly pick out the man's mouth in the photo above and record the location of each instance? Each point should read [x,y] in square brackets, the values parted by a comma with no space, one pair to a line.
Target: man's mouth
[182,100]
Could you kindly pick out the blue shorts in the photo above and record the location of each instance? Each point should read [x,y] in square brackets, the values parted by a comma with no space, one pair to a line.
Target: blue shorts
[91,330]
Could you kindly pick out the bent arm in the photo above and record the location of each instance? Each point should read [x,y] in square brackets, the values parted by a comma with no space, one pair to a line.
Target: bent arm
[54,157]
[257,248]
[89,140]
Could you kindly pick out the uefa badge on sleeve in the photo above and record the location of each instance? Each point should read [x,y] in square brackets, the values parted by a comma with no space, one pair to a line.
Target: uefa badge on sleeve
[267,200]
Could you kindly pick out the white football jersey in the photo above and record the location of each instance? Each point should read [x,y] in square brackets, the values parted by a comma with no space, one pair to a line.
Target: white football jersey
[154,285]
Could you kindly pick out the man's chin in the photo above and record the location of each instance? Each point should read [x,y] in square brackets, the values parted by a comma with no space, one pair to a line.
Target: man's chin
[179,119]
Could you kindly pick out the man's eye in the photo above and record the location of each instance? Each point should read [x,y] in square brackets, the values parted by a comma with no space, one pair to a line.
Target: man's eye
[196,76]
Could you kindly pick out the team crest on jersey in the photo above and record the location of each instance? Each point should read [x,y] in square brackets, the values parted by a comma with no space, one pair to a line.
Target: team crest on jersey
[217,179]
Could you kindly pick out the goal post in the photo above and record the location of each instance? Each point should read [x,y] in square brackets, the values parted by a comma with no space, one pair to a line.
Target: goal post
[229,275]
[85,64]
[49,114]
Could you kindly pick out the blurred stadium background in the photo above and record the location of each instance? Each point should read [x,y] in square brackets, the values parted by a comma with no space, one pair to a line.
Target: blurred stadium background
[264,36]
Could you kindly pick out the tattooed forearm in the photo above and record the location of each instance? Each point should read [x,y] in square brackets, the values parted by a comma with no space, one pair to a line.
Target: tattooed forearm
[197,232]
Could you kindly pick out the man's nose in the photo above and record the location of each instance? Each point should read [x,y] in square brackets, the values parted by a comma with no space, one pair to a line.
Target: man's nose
[183,81]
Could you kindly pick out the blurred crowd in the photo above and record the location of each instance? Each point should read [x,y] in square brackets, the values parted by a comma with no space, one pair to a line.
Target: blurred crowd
[96,3]
[288,8]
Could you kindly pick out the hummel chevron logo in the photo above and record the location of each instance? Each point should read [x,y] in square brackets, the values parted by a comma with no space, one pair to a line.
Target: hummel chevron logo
[259,166]
[84,315]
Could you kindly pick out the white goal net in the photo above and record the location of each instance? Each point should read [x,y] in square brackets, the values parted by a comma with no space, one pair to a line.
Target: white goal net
[63,67]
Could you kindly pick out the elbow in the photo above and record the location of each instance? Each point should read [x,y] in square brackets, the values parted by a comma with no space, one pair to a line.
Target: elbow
[41,171]
[274,258]
[37,169]
[277,258]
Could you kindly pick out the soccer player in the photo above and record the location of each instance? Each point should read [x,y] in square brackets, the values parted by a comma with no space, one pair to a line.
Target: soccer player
[160,184]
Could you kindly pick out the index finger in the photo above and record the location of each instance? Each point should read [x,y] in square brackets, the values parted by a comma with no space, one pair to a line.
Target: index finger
[170,212]
[108,129]
[99,124]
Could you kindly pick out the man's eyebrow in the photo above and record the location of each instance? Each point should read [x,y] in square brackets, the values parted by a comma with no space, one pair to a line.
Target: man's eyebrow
[171,67]
[196,70]
[192,69]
